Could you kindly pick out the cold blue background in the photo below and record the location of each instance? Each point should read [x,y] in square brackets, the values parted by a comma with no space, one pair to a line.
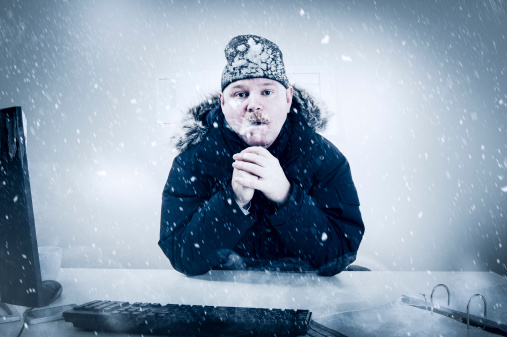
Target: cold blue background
[418,88]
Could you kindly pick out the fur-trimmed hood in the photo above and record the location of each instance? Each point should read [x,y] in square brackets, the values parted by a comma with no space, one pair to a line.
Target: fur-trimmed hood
[195,126]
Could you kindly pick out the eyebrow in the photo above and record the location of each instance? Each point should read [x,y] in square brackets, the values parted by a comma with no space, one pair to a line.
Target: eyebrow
[238,86]
[241,86]
[267,84]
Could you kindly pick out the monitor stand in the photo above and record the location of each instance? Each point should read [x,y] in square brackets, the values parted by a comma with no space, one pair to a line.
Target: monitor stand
[51,290]
[12,314]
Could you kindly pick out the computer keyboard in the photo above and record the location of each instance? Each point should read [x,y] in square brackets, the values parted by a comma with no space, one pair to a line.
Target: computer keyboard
[187,320]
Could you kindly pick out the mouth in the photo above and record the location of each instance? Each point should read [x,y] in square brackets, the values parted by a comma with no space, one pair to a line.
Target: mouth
[257,118]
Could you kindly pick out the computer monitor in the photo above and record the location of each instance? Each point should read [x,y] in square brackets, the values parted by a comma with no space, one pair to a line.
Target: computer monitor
[20,275]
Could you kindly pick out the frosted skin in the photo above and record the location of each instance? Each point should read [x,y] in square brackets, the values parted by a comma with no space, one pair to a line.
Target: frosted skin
[262,172]
[256,109]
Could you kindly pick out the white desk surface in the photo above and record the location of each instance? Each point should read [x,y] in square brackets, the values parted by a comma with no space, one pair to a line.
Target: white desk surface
[323,296]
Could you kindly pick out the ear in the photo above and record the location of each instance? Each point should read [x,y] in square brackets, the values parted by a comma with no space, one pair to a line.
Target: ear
[289,92]
[221,95]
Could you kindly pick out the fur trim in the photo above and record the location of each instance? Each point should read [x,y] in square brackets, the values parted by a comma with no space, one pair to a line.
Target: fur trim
[195,127]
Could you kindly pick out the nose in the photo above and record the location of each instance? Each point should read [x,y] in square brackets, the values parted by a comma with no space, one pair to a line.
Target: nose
[254,103]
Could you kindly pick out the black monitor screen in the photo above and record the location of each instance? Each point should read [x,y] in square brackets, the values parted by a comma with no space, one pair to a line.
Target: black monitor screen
[20,276]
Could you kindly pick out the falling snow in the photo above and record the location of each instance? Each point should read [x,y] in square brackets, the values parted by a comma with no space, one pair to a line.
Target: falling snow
[418,91]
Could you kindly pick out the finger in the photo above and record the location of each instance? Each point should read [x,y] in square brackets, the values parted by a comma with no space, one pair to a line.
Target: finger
[240,173]
[253,169]
[251,158]
[259,151]
[249,182]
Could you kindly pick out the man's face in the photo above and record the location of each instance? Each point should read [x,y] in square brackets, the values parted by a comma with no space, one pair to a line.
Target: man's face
[256,109]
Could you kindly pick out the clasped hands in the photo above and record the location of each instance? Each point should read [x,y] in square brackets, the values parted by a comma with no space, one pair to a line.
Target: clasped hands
[255,168]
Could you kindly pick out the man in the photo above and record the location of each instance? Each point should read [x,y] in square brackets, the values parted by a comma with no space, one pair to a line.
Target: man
[254,185]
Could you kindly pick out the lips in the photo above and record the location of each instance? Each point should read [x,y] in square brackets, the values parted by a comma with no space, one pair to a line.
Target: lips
[257,118]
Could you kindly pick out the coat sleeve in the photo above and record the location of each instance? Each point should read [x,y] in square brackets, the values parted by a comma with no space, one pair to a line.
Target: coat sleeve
[323,225]
[198,226]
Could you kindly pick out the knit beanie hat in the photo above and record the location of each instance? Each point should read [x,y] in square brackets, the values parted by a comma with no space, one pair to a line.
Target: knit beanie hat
[250,56]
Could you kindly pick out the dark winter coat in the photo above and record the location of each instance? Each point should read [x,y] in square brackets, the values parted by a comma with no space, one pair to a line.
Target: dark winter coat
[202,227]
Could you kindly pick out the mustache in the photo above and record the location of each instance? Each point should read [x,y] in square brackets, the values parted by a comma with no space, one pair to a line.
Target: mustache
[257,117]
[243,125]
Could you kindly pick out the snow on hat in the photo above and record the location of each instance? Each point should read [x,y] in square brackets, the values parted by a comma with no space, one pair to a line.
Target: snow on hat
[251,56]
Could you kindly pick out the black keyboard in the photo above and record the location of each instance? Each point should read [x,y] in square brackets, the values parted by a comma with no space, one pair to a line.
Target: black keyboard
[187,320]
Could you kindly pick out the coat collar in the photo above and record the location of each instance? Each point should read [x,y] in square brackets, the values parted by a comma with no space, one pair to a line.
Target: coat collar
[202,118]
[220,143]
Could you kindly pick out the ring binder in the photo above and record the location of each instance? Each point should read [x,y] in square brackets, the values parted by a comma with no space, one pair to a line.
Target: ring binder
[488,325]
[468,309]
[448,295]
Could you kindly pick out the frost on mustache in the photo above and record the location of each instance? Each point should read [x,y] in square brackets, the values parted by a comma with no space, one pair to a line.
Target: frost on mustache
[257,117]
[250,121]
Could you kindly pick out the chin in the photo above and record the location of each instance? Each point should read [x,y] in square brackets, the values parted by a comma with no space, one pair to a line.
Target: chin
[261,143]
[258,139]
[254,141]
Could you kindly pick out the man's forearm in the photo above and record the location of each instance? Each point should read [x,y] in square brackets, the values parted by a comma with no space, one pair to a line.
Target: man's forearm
[316,235]
[193,245]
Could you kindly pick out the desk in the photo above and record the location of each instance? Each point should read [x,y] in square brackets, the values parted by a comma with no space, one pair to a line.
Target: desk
[323,296]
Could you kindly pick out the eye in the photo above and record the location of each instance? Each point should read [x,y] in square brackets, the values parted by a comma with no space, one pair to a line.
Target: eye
[240,94]
[268,92]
